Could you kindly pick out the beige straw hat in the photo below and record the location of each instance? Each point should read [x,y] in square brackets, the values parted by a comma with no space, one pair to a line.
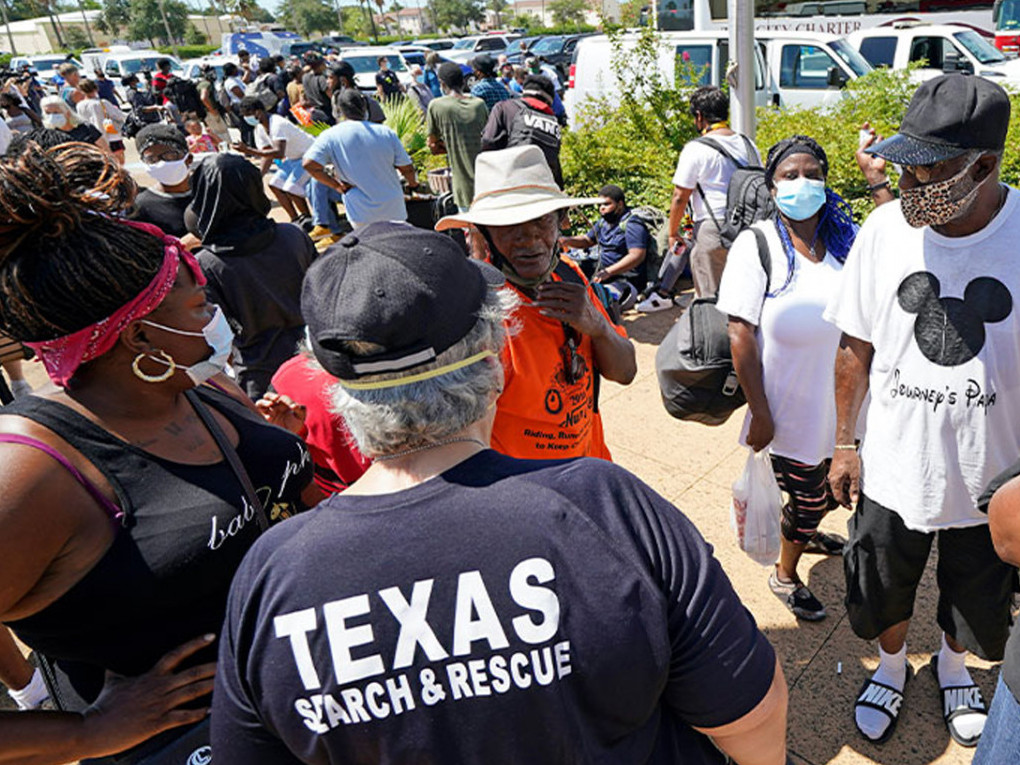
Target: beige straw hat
[512,186]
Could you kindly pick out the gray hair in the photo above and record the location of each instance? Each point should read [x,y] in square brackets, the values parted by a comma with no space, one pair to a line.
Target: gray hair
[388,420]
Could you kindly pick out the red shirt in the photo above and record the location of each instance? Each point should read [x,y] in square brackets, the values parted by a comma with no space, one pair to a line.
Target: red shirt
[338,463]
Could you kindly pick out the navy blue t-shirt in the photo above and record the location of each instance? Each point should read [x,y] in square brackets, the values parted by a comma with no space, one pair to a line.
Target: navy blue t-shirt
[616,239]
[507,611]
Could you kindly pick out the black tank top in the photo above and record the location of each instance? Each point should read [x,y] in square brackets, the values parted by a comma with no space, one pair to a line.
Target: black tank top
[185,529]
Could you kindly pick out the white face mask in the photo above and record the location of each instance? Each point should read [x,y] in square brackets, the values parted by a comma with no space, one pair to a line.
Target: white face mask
[218,336]
[169,173]
[54,121]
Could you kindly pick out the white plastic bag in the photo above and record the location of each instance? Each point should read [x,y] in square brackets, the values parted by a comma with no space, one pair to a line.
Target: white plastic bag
[756,508]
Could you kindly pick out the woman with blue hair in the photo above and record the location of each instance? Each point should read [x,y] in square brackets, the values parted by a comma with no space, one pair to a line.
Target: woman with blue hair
[784,352]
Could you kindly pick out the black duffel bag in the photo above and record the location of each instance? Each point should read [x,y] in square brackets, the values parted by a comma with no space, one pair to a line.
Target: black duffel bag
[694,364]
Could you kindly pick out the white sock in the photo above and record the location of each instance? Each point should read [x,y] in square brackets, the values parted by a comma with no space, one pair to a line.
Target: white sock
[892,671]
[32,695]
[953,671]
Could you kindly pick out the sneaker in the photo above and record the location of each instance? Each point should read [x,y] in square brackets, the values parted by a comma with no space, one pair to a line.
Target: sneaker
[797,597]
[654,302]
[326,242]
[319,232]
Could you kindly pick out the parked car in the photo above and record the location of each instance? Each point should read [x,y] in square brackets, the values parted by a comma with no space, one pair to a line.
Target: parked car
[192,68]
[122,64]
[45,67]
[301,47]
[943,48]
[517,50]
[808,69]
[555,50]
[365,61]
[466,48]
[443,43]
[339,41]
[591,72]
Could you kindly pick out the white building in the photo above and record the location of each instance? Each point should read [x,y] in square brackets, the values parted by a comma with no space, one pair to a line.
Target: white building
[34,36]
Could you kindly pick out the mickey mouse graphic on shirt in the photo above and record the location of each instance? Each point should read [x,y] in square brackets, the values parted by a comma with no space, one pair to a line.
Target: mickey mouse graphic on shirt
[950,331]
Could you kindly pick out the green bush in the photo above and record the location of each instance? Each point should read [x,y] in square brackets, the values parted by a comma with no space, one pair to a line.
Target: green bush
[185,52]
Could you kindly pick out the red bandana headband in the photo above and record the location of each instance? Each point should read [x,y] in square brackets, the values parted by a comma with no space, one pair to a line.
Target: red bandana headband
[63,355]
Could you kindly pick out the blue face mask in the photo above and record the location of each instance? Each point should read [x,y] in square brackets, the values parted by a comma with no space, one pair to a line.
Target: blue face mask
[251,120]
[800,198]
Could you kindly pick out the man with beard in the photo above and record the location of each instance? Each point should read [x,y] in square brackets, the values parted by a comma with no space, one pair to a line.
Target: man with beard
[930,327]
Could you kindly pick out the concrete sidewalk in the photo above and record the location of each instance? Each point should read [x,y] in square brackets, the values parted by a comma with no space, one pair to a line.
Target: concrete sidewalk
[693,466]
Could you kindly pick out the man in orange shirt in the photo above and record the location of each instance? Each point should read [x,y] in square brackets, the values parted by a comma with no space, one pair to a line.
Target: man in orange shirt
[563,339]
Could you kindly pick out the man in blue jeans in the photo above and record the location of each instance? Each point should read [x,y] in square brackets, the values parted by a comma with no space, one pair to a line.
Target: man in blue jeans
[1000,742]
[364,156]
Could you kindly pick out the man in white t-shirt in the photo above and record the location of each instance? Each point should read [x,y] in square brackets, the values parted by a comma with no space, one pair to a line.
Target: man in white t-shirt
[930,326]
[702,178]
[279,139]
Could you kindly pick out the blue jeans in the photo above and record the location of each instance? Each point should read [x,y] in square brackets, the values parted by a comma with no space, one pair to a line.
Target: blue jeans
[321,199]
[1000,741]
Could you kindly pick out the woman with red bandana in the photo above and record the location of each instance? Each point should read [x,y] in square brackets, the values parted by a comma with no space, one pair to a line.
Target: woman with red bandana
[122,517]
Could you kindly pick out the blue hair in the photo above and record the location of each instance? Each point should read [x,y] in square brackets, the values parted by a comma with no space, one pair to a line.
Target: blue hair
[836,229]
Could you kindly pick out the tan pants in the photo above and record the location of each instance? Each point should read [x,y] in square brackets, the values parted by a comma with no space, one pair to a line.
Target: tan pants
[217,126]
[708,258]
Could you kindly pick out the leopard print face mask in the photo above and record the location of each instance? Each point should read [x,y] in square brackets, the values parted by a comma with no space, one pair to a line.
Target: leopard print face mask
[935,204]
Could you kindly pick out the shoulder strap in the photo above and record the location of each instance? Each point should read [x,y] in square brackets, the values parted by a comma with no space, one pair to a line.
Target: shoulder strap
[567,274]
[704,201]
[750,148]
[101,499]
[765,257]
[712,143]
[230,455]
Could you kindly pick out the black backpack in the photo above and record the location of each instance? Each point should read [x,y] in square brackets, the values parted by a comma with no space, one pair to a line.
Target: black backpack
[183,94]
[747,198]
[654,221]
[693,363]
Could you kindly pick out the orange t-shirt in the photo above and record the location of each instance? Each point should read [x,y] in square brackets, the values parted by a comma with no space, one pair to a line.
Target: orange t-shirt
[539,415]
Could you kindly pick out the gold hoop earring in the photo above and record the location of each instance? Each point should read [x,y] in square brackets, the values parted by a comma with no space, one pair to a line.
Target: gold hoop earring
[165,357]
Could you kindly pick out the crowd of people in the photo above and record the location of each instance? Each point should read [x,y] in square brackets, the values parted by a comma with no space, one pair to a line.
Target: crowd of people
[332,470]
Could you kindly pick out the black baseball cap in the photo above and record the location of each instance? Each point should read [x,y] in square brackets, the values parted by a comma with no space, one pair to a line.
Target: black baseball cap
[342,69]
[949,116]
[411,291]
[485,64]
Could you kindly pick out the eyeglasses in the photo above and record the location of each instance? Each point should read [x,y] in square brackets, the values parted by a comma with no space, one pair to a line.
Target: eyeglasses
[574,365]
[167,155]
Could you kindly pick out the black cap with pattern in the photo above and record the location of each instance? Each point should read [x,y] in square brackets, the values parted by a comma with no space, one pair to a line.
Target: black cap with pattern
[949,116]
[409,291]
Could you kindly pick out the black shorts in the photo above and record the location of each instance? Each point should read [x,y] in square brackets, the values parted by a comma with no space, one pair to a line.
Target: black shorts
[884,560]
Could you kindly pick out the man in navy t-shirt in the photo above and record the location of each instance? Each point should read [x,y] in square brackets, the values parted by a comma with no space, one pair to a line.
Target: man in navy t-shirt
[623,242]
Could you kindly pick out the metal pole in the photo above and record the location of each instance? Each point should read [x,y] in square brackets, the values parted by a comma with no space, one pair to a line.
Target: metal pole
[339,17]
[166,25]
[7,23]
[741,33]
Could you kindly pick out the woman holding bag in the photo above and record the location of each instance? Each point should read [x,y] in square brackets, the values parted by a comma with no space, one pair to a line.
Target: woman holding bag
[784,351]
[125,498]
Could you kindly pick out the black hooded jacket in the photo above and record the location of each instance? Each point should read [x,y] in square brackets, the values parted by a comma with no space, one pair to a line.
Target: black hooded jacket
[254,265]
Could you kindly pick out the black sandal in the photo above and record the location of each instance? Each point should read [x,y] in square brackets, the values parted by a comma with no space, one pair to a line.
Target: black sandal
[883,698]
[959,700]
[825,544]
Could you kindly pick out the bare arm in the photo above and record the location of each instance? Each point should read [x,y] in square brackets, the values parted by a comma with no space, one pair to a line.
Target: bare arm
[409,175]
[435,144]
[747,364]
[1004,521]
[570,304]
[853,363]
[318,172]
[677,205]
[873,169]
[759,737]
[635,257]
[127,712]
[582,242]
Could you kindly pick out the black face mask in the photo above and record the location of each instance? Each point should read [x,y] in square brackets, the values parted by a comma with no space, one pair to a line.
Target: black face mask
[612,218]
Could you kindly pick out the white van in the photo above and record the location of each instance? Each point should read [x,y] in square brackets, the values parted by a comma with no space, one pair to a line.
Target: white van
[591,73]
[808,69]
[792,69]
[365,62]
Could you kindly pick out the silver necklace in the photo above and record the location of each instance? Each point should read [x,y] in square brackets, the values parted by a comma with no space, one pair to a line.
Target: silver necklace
[433,445]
